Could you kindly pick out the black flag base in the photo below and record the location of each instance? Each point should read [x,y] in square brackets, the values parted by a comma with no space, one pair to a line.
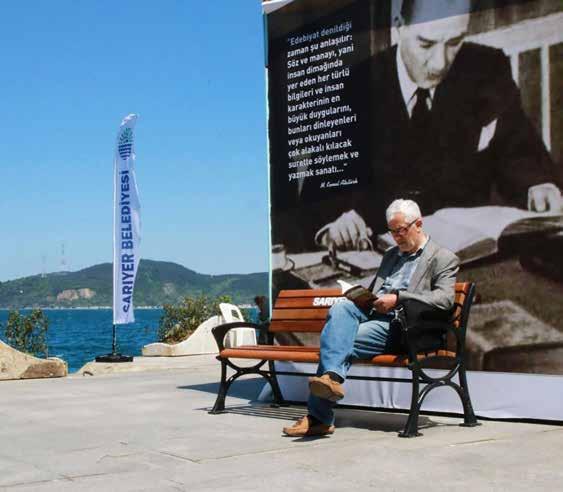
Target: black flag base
[114,358]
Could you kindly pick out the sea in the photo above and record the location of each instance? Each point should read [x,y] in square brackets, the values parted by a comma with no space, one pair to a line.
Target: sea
[79,335]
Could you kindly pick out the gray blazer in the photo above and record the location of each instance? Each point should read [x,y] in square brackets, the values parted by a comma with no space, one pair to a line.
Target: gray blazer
[433,281]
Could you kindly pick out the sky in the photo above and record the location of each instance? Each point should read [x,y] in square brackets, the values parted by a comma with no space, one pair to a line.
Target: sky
[194,73]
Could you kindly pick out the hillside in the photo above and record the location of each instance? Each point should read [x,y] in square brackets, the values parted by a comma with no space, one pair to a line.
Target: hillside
[158,282]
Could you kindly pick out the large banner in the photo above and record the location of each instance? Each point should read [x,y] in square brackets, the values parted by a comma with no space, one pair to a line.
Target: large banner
[126,223]
[344,77]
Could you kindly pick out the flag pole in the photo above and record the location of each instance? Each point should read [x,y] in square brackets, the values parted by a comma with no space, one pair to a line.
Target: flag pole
[126,234]
[114,356]
[114,341]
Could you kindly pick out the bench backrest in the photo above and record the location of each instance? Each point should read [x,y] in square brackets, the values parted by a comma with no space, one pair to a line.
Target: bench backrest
[304,311]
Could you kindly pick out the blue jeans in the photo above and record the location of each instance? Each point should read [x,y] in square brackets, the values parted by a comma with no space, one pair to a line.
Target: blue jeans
[348,334]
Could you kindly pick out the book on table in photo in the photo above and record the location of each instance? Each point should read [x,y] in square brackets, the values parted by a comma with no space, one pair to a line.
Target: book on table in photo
[359,262]
[350,265]
[474,233]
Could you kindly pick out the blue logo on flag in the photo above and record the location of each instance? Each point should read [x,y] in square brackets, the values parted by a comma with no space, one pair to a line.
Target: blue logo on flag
[125,144]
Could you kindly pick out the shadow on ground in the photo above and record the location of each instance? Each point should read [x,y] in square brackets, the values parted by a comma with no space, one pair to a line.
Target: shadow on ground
[249,389]
[345,417]
[378,421]
[246,389]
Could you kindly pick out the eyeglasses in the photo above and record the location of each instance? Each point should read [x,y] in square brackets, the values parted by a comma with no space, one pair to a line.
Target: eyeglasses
[402,230]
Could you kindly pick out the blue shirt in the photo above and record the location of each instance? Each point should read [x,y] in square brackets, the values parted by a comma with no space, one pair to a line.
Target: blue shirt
[402,272]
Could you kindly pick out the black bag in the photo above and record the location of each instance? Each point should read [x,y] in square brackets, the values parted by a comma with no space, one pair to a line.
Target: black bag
[423,328]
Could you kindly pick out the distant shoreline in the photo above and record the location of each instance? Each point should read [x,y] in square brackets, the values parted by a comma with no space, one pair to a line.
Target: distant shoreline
[97,308]
[93,308]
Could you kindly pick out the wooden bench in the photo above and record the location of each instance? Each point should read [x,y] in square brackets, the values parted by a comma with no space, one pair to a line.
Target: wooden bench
[305,311]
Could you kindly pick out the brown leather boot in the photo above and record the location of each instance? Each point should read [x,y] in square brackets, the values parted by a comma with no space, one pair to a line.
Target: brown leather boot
[326,388]
[305,427]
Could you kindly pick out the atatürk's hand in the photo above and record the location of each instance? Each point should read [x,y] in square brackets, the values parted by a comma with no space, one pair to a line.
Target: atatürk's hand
[385,303]
[544,197]
[346,231]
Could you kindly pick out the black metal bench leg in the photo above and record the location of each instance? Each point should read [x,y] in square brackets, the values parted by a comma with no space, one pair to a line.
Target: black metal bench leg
[469,418]
[411,427]
[276,390]
[222,393]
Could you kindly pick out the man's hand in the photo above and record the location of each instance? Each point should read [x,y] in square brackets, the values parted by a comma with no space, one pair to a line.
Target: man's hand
[544,197]
[385,303]
[346,231]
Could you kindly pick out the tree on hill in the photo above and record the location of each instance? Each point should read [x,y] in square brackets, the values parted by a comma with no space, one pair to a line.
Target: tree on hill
[158,283]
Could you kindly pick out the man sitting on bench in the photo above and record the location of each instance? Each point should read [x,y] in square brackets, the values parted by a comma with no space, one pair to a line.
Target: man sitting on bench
[417,268]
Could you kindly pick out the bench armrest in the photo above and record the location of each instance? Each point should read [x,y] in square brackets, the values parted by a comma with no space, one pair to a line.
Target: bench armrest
[220,331]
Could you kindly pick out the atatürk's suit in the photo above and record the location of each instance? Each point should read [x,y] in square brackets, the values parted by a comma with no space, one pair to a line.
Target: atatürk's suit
[449,168]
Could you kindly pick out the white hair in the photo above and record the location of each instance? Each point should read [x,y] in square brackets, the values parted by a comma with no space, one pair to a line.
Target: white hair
[409,208]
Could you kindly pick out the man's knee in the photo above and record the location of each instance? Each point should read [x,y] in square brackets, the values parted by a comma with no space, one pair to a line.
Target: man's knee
[343,306]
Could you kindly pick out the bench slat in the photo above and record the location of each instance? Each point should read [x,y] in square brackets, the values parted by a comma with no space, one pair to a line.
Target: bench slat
[279,348]
[311,354]
[290,314]
[301,326]
[310,293]
[302,302]
[460,287]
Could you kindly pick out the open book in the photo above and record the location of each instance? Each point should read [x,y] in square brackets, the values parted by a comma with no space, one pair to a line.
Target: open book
[473,233]
[360,296]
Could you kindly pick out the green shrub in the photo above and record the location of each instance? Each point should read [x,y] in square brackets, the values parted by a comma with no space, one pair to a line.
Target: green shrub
[27,333]
[179,321]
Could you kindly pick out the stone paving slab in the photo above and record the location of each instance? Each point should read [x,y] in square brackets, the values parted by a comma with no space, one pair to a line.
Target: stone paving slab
[150,431]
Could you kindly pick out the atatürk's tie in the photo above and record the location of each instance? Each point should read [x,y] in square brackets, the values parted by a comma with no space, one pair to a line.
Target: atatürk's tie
[422,149]
[420,118]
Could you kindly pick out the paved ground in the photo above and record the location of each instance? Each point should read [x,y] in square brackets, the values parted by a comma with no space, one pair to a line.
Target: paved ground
[151,431]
